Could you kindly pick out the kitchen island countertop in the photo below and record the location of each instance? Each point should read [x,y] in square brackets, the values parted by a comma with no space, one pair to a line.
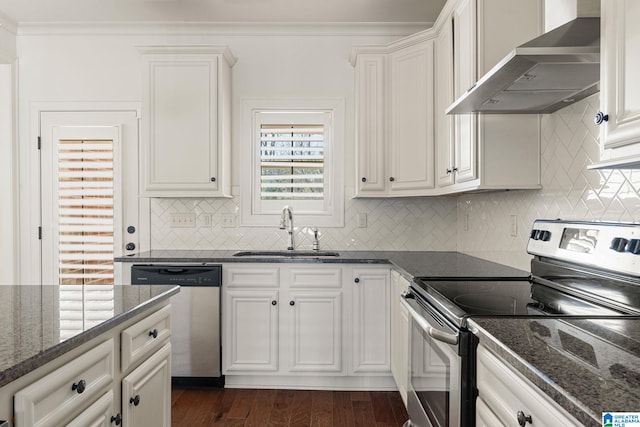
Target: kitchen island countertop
[31,331]
[587,366]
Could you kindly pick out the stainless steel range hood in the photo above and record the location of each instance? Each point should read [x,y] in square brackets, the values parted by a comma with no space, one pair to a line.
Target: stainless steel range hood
[543,75]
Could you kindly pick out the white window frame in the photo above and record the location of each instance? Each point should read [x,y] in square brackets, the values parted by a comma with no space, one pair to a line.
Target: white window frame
[253,212]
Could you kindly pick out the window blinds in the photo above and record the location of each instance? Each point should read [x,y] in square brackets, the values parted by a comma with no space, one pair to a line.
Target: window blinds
[292,162]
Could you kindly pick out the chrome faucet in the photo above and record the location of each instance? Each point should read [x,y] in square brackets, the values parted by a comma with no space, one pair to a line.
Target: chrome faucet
[316,242]
[286,223]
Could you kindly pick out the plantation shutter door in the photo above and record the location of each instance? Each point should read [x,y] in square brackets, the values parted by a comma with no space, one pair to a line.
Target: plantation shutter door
[85,211]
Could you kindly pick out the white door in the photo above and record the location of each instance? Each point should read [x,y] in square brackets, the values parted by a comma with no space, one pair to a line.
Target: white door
[89,183]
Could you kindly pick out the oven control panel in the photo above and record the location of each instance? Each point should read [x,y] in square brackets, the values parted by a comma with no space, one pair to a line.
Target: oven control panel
[611,246]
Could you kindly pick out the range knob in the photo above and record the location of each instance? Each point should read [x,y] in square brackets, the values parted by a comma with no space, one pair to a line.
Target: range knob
[619,244]
[634,246]
[534,234]
[545,235]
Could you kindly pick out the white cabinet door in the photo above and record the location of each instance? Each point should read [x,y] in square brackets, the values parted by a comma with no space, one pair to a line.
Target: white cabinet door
[620,87]
[370,124]
[411,119]
[371,320]
[146,392]
[465,76]
[185,132]
[443,58]
[314,332]
[399,334]
[250,330]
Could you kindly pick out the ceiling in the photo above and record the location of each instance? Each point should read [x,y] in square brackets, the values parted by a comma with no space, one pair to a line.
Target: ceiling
[260,11]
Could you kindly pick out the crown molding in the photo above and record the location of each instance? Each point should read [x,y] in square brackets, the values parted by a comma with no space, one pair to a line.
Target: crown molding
[189,50]
[399,29]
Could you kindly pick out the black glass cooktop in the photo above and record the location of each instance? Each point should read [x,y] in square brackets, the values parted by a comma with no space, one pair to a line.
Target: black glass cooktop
[460,299]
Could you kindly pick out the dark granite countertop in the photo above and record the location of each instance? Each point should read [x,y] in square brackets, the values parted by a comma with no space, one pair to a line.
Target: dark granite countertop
[410,263]
[31,331]
[587,366]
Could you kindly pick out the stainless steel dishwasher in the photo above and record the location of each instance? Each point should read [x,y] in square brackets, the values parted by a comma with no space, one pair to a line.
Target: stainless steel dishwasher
[195,320]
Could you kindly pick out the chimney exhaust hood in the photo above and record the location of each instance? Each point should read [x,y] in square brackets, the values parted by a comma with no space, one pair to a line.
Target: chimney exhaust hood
[541,76]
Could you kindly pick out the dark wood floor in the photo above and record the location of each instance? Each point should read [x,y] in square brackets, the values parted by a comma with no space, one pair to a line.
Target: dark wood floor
[300,408]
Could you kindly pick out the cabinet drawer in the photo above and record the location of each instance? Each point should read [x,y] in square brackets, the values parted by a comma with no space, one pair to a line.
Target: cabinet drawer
[314,277]
[258,276]
[506,392]
[97,415]
[145,337]
[68,389]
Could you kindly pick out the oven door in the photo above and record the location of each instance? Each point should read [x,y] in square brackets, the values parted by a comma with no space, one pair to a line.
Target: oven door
[435,368]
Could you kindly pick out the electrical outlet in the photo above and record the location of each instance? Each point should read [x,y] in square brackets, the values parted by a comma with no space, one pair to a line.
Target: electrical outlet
[513,225]
[362,220]
[204,220]
[228,220]
[466,222]
[182,220]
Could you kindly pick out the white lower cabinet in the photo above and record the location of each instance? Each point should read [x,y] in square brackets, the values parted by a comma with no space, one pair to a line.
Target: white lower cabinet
[73,386]
[302,326]
[504,395]
[88,388]
[250,325]
[146,392]
[293,325]
[371,320]
[399,334]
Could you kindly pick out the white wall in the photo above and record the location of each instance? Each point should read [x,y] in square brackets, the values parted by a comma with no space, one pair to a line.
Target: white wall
[102,64]
[8,209]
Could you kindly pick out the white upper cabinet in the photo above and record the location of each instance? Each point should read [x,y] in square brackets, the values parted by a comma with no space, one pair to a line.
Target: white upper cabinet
[484,152]
[406,145]
[619,85]
[186,121]
[394,118]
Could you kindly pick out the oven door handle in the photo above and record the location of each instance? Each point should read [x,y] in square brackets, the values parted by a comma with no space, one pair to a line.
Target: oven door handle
[434,333]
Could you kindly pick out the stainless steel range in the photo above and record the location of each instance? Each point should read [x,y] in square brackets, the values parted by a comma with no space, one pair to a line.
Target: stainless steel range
[580,270]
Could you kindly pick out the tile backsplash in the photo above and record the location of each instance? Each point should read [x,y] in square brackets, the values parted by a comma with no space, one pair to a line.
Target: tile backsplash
[570,191]
[408,224]
[477,224]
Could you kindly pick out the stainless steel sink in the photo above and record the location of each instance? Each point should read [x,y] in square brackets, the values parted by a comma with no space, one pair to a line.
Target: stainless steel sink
[287,254]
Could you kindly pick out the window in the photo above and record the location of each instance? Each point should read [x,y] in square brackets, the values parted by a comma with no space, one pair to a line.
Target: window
[294,149]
